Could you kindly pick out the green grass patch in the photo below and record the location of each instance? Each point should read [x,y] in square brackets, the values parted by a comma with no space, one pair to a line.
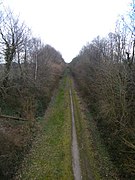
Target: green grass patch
[50,157]
[94,159]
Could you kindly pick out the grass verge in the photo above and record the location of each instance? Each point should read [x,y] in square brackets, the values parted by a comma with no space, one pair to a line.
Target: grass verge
[94,159]
[50,156]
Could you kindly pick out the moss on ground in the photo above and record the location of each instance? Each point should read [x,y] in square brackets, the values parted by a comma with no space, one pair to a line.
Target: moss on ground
[50,157]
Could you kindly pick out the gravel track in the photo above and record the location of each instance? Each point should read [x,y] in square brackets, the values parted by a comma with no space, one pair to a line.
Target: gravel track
[75,150]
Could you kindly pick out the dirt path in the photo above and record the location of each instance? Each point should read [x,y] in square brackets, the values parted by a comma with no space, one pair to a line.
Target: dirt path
[75,151]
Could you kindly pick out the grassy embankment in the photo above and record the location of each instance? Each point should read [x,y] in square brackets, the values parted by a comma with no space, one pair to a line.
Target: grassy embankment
[50,157]
[94,159]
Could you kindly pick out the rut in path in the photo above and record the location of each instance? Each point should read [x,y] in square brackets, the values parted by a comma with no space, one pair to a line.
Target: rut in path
[75,151]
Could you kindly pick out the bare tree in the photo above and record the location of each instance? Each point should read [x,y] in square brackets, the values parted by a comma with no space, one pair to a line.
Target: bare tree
[12,37]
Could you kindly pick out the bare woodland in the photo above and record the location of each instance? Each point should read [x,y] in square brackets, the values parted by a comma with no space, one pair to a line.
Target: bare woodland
[105,73]
[31,68]
[29,73]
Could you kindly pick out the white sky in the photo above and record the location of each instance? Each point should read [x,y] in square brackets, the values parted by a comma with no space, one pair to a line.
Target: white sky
[68,24]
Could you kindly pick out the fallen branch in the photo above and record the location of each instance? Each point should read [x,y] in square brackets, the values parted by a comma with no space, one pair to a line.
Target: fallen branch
[12,117]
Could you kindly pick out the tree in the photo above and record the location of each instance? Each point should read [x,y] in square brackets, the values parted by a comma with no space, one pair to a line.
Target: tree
[12,37]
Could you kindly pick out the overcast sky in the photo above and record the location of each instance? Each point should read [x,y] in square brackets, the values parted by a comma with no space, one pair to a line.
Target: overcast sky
[67,25]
